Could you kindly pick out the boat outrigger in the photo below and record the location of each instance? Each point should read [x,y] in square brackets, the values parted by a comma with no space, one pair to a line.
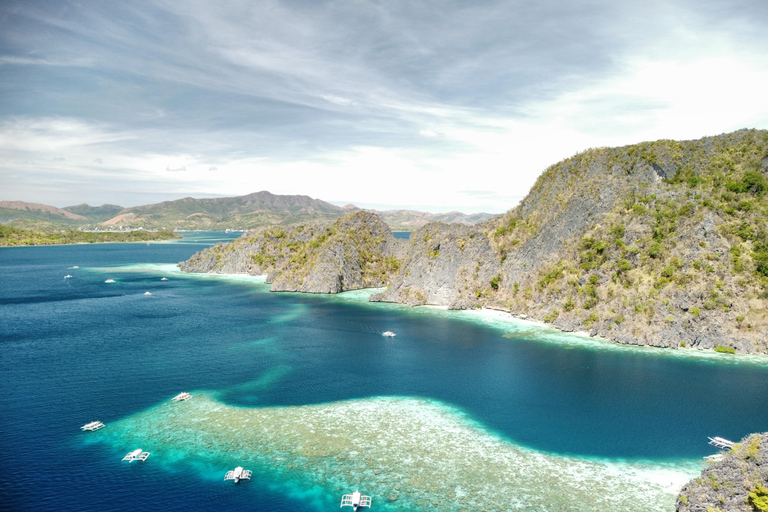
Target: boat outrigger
[238,474]
[721,443]
[355,500]
[92,426]
[136,454]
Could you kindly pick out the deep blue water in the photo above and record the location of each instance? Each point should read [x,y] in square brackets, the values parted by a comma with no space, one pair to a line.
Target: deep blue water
[79,349]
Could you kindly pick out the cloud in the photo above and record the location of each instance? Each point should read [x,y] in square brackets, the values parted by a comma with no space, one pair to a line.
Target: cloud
[303,98]
[337,100]
[27,61]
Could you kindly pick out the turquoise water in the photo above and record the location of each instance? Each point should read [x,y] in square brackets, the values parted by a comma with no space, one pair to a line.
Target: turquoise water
[458,411]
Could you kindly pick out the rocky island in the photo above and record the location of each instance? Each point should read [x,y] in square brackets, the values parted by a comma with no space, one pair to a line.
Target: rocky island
[660,243]
[737,483]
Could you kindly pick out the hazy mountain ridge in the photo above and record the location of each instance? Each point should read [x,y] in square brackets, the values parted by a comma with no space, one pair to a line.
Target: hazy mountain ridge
[251,211]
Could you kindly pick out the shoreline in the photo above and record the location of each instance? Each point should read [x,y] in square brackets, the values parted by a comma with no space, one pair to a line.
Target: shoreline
[513,325]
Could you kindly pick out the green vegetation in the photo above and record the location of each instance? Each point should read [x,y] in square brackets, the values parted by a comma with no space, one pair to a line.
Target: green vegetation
[697,235]
[14,236]
[725,350]
[758,498]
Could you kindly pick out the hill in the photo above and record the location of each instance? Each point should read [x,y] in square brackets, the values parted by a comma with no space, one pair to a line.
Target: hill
[95,213]
[37,215]
[242,212]
[661,243]
[14,237]
[357,251]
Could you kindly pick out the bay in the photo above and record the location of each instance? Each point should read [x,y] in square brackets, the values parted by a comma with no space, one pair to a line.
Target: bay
[74,350]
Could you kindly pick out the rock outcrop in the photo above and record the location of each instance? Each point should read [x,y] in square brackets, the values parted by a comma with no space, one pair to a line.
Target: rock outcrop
[738,483]
[357,251]
[446,265]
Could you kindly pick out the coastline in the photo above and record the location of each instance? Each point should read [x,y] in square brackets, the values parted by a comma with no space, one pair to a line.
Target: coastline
[511,326]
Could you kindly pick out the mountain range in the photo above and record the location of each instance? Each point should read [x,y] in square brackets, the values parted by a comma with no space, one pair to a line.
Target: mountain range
[243,212]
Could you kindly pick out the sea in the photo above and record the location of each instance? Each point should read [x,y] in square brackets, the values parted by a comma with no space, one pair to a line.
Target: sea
[461,410]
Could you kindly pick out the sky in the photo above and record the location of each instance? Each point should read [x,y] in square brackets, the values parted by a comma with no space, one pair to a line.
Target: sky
[428,105]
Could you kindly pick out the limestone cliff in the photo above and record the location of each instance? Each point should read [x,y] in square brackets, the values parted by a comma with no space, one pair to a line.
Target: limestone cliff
[738,483]
[357,251]
[447,265]
[660,243]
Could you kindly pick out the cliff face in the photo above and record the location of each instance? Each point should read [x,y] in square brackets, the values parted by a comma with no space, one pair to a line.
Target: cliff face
[357,251]
[446,265]
[738,483]
[661,243]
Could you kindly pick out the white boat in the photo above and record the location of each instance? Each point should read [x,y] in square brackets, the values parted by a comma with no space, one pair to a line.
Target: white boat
[389,333]
[147,293]
[109,281]
[355,500]
[136,454]
[181,397]
[92,426]
[75,266]
[721,443]
[238,474]
[164,279]
[67,276]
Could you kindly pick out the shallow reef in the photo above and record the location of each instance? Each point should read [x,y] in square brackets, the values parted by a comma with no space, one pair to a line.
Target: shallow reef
[408,453]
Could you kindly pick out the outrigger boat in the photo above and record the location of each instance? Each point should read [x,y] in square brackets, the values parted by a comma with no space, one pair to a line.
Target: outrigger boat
[92,426]
[181,397]
[136,454]
[721,443]
[389,333]
[355,500]
[238,474]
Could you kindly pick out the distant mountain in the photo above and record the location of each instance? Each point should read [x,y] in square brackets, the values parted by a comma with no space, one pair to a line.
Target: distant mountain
[242,212]
[251,211]
[37,215]
[95,213]
[409,220]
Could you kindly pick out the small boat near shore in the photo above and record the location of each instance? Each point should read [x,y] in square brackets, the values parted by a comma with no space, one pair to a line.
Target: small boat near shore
[181,397]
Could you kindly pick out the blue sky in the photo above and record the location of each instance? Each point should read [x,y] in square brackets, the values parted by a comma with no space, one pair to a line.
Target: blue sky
[428,105]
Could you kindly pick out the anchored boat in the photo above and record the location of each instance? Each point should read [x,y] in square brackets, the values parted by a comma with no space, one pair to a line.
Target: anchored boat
[92,426]
[355,500]
[238,474]
[136,454]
